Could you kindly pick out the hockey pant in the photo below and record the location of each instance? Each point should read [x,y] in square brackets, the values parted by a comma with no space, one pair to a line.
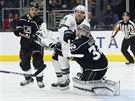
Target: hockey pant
[89,75]
[37,61]
[124,49]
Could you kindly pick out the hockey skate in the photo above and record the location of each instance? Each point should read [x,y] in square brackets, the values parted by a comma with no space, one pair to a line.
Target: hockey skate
[55,85]
[129,63]
[26,82]
[40,84]
[64,85]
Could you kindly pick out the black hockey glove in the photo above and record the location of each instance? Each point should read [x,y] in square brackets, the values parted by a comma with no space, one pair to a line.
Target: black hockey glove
[69,35]
[17,31]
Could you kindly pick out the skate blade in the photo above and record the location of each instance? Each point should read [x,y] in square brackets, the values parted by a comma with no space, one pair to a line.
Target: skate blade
[64,88]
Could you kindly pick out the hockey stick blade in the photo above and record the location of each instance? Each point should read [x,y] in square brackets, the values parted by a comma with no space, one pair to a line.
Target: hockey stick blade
[24,74]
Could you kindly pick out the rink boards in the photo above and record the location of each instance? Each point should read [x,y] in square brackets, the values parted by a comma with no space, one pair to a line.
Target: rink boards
[10,45]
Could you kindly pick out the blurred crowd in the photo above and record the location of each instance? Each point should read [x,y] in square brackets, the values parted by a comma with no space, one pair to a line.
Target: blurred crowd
[107,18]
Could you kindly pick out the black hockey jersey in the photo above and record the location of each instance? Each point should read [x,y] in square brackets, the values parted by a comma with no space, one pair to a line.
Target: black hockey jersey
[29,27]
[93,58]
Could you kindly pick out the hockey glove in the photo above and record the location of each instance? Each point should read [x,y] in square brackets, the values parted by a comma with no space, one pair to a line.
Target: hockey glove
[52,46]
[17,31]
[69,35]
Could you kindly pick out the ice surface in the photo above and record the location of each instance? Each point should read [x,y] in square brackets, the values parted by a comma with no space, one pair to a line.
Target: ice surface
[10,89]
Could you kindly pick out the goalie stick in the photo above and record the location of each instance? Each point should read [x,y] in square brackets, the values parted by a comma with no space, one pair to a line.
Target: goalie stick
[24,74]
[73,55]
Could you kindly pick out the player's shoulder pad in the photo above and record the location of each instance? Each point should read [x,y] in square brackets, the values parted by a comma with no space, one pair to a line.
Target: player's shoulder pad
[69,16]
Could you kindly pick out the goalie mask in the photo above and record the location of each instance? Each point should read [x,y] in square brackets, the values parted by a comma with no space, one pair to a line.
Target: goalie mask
[83,30]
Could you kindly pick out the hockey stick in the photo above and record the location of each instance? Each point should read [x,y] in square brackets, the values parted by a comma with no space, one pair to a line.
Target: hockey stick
[37,41]
[24,74]
[73,55]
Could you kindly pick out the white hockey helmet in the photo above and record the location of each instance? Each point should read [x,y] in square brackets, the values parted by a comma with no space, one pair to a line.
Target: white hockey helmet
[80,8]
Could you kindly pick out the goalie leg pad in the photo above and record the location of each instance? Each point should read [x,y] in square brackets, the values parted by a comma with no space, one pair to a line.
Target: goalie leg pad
[98,87]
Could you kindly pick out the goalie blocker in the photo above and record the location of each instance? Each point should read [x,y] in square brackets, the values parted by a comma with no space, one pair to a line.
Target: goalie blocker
[96,87]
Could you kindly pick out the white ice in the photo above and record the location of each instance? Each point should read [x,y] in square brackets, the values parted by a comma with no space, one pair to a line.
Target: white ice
[10,89]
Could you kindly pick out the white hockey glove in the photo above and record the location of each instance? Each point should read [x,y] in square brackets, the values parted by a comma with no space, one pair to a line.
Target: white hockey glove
[44,40]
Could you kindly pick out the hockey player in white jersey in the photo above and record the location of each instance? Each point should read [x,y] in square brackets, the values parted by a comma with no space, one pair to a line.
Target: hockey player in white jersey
[61,65]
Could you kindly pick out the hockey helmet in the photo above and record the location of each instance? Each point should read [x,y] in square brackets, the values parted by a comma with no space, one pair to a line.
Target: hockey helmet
[34,4]
[125,14]
[85,30]
[80,8]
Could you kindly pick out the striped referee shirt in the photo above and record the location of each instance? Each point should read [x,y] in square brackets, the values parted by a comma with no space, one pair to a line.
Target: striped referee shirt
[127,28]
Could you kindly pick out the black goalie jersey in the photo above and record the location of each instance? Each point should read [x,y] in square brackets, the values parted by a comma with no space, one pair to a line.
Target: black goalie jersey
[93,58]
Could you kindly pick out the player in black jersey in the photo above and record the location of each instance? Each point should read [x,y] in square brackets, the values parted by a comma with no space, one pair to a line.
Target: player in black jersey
[28,25]
[128,28]
[94,65]
[94,62]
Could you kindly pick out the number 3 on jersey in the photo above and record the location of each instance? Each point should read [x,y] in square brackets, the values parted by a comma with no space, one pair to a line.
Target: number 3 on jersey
[96,53]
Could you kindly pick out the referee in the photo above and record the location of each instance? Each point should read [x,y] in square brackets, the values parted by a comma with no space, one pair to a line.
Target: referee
[128,28]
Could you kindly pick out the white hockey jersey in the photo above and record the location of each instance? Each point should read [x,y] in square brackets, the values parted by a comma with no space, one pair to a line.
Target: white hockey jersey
[69,22]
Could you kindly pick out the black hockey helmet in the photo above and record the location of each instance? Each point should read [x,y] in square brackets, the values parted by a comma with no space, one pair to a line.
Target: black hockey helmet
[126,14]
[34,4]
